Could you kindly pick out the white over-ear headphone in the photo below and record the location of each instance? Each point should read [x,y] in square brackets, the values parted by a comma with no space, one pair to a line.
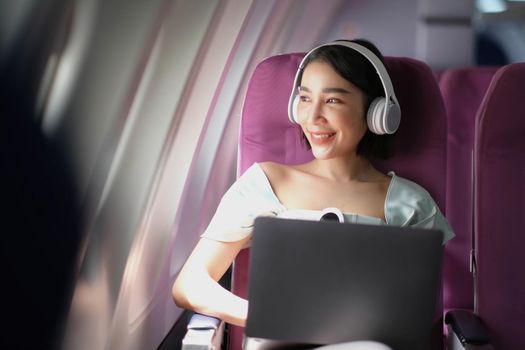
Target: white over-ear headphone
[383,115]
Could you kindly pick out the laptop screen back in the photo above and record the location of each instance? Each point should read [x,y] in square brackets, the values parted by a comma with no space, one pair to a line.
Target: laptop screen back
[324,282]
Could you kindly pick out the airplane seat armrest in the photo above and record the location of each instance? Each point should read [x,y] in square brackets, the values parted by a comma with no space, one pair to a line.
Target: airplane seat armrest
[204,333]
[198,321]
[468,327]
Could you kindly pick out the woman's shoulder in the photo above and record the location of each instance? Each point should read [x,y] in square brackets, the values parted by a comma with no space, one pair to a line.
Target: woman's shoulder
[406,200]
[271,167]
[253,178]
[274,168]
[278,173]
[410,204]
[260,179]
[402,186]
[247,198]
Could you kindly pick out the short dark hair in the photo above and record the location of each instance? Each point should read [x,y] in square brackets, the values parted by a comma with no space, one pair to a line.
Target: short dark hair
[358,70]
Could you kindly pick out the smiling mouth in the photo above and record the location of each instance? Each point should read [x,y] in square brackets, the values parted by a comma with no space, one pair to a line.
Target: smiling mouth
[321,137]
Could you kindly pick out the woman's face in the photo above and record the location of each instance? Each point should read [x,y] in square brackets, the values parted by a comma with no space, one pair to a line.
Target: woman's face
[330,111]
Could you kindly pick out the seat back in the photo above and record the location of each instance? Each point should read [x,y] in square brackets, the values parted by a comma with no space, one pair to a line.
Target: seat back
[463,90]
[500,208]
[267,135]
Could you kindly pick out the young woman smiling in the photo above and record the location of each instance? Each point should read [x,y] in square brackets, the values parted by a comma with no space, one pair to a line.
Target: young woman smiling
[339,89]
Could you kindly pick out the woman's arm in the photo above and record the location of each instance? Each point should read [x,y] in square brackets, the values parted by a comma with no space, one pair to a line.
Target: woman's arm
[196,287]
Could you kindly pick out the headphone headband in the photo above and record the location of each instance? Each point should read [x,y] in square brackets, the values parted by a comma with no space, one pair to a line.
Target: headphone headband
[390,96]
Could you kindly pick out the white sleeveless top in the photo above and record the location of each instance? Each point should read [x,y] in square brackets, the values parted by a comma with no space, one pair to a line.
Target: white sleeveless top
[406,204]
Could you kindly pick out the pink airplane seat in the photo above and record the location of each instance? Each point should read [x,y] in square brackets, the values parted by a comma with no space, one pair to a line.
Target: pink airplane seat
[463,90]
[266,134]
[498,321]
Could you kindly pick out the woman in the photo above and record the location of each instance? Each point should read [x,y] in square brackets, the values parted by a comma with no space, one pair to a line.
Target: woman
[337,87]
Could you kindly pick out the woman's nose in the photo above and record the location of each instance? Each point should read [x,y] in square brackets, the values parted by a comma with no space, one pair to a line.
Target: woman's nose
[315,112]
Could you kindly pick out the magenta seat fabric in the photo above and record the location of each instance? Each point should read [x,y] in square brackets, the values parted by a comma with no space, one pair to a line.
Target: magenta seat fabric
[463,90]
[267,135]
[500,208]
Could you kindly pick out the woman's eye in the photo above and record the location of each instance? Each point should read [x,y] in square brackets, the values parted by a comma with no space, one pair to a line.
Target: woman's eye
[332,100]
[304,98]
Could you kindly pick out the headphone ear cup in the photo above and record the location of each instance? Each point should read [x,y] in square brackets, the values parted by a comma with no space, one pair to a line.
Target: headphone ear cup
[378,121]
[393,118]
[294,109]
[374,115]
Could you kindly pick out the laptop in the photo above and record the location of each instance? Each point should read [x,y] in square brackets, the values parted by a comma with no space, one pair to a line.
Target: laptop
[314,283]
